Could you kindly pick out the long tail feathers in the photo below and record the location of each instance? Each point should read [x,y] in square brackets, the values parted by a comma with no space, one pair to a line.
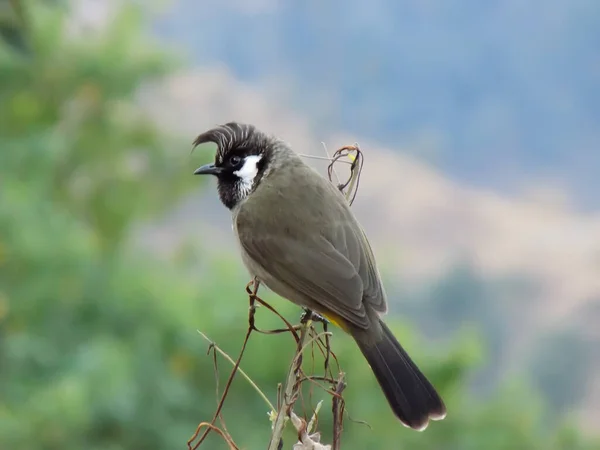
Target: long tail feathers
[411,396]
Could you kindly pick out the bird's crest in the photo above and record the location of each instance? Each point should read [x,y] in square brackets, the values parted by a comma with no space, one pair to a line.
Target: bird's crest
[226,137]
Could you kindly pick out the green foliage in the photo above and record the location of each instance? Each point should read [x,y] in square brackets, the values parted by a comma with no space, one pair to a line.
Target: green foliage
[68,118]
[98,341]
[13,25]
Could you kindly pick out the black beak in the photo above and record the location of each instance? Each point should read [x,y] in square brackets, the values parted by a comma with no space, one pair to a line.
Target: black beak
[208,169]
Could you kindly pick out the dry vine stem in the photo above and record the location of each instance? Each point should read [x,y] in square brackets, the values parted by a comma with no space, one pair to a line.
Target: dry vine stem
[305,336]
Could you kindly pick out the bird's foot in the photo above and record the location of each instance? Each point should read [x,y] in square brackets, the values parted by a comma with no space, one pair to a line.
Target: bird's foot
[311,315]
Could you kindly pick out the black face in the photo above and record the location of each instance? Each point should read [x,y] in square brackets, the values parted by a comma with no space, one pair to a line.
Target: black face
[242,156]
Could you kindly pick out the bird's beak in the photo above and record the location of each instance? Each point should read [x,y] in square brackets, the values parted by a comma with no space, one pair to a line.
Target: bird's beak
[208,169]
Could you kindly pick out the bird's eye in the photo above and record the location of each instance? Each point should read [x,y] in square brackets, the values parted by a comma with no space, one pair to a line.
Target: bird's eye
[234,160]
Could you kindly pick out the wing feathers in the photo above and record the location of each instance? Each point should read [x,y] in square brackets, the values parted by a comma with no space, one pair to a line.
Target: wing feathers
[319,254]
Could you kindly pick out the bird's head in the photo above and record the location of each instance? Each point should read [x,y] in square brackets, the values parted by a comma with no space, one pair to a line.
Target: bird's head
[243,156]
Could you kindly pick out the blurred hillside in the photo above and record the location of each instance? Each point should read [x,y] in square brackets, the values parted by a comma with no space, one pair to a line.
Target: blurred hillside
[498,94]
[112,256]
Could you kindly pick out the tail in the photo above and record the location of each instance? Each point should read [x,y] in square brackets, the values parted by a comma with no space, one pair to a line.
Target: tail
[410,395]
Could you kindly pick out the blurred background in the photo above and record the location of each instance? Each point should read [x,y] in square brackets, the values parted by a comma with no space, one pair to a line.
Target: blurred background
[480,123]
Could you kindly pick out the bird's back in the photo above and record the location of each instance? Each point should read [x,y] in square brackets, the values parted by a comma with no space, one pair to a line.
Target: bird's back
[306,199]
[298,205]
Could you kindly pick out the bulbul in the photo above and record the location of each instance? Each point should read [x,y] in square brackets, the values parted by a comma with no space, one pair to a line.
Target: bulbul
[298,236]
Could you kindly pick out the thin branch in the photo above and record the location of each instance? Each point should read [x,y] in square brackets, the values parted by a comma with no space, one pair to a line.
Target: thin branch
[322,158]
[252,298]
[337,409]
[226,438]
[331,164]
[240,370]
[290,392]
[354,153]
[222,401]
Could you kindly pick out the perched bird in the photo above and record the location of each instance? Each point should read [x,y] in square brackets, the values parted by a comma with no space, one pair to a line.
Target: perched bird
[298,236]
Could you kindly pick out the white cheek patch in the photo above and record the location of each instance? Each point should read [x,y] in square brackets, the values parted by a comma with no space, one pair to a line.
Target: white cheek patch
[248,172]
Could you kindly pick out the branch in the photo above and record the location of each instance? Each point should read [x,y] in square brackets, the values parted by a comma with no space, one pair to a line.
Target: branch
[244,374]
[290,392]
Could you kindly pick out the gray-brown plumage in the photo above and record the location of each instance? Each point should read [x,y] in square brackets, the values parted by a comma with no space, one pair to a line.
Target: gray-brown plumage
[298,235]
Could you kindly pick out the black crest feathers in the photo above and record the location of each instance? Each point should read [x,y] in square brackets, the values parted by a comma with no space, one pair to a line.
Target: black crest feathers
[226,137]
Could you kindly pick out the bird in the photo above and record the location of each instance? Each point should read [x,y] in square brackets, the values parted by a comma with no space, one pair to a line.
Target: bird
[298,236]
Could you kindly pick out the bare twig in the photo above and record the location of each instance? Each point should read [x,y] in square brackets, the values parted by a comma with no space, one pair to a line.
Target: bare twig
[337,409]
[331,164]
[221,402]
[354,153]
[322,158]
[290,392]
[231,376]
[211,349]
[226,438]
[244,374]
